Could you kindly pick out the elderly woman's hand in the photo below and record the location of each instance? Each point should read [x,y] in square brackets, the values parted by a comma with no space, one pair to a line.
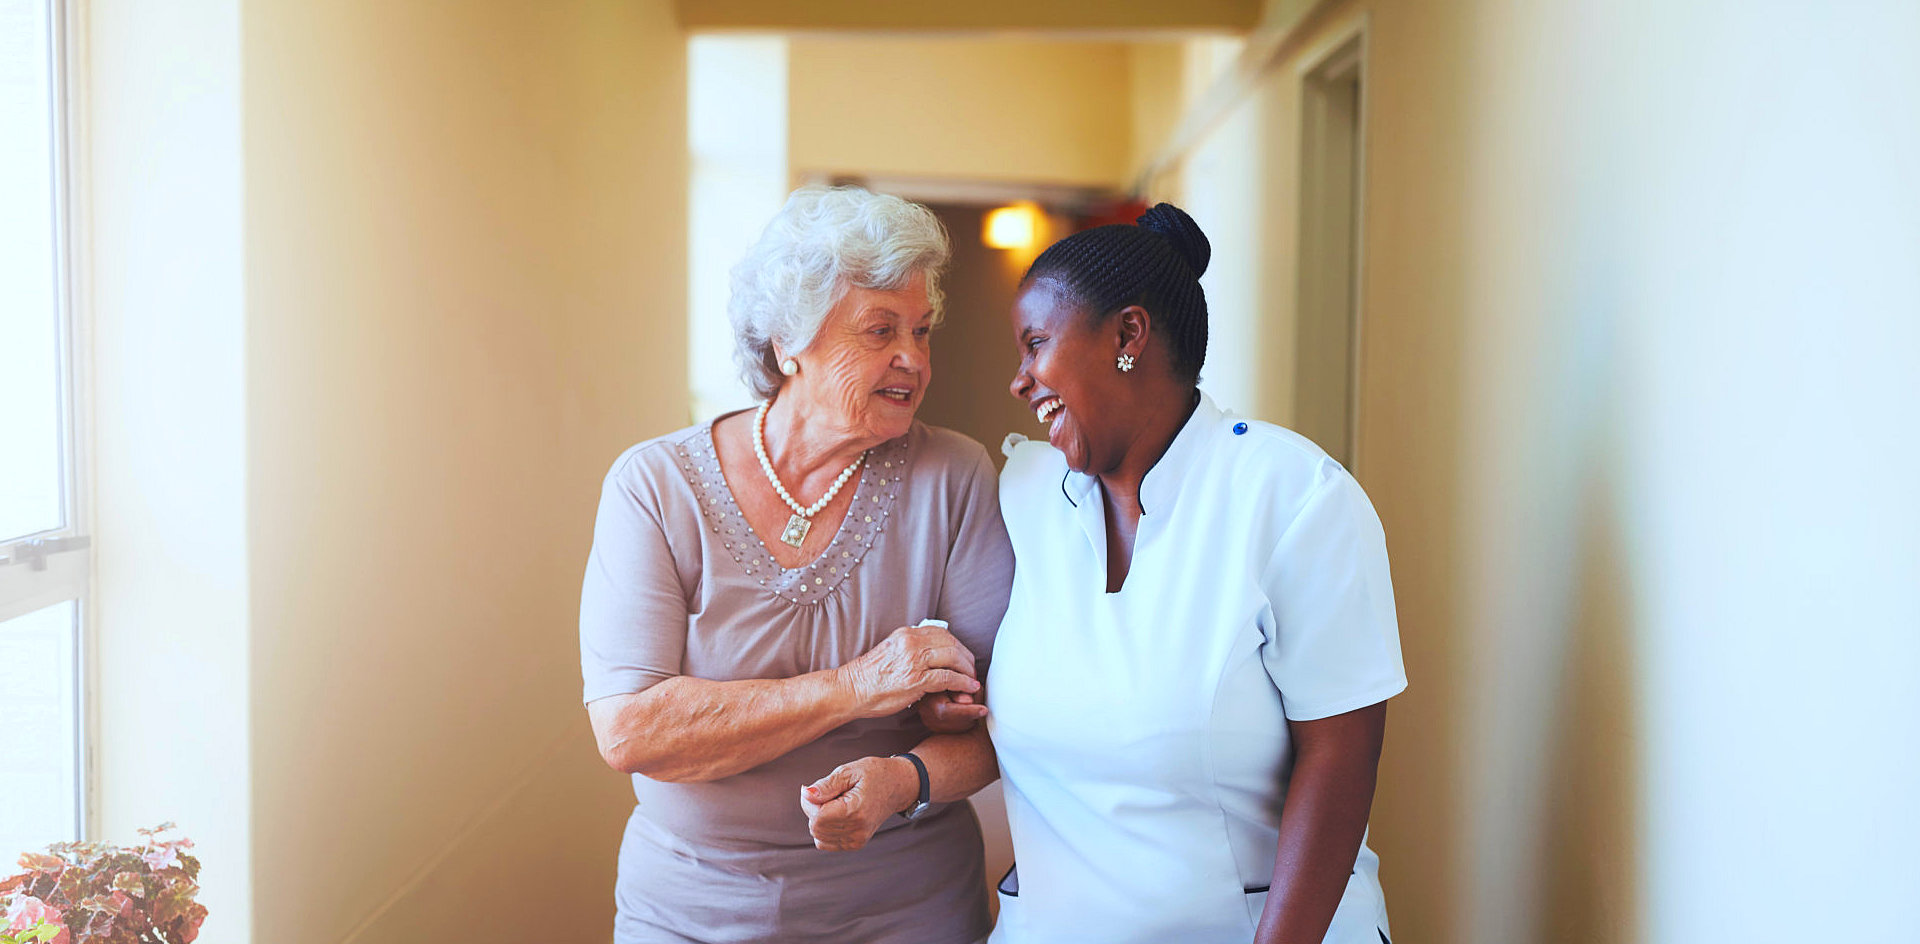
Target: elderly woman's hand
[845,808]
[910,663]
[951,712]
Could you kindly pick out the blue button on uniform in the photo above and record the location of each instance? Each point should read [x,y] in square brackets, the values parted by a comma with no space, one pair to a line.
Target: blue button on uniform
[1239,429]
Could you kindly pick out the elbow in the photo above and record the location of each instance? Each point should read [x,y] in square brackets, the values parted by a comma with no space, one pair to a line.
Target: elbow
[617,757]
[639,734]
[655,765]
[628,758]
[625,731]
[620,751]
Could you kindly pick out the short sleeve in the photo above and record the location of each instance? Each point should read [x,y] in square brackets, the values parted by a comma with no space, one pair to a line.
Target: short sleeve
[979,578]
[1334,642]
[633,612]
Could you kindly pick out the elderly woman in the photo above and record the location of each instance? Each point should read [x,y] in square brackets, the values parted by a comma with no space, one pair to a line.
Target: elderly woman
[755,622]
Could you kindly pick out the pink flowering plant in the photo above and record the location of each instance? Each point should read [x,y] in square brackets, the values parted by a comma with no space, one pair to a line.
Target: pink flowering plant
[99,893]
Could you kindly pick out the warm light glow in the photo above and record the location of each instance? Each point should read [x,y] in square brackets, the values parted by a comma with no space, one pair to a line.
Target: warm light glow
[1013,227]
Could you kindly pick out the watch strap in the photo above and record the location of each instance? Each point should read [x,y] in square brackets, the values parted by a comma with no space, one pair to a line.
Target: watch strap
[925,798]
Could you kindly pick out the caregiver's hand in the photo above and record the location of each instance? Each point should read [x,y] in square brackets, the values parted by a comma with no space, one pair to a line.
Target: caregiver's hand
[911,662]
[951,712]
[845,808]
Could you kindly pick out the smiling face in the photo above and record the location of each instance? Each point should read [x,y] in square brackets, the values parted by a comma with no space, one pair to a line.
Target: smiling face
[1068,378]
[867,370]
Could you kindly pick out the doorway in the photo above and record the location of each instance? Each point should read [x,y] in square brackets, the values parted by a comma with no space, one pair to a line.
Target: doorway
[1326,378]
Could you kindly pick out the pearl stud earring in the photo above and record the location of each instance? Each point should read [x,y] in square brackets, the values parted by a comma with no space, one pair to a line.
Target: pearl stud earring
[1125,362]
[789,367]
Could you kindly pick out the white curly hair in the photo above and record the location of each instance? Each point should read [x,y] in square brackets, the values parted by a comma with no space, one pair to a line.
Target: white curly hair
[823,242]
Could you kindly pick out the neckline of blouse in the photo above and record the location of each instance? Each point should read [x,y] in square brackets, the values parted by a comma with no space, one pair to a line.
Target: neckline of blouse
[816,580]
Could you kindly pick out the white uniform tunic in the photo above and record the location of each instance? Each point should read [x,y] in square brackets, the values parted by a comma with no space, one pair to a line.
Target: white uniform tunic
[1143,734]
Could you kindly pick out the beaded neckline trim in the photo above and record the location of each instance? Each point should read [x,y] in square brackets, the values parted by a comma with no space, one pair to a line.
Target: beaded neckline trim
[873,499]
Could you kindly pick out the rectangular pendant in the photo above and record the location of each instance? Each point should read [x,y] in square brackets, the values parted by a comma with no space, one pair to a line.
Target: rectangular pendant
[796,532]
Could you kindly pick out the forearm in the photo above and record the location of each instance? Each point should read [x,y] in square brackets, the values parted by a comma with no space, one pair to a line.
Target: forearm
[958,765]
[847,806]
[688,729]
[1322,823]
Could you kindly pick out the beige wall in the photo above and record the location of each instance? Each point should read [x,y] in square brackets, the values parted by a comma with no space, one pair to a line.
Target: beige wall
[1638,354]
[890,15]
[465,276]
[379,292]
[1615,283]
[1157,96]
[973,351]
[1019,110]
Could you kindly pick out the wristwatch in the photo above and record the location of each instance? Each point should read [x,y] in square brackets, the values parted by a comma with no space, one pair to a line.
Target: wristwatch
[921,804]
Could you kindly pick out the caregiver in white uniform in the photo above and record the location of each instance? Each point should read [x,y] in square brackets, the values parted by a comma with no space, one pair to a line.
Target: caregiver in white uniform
[1188,691]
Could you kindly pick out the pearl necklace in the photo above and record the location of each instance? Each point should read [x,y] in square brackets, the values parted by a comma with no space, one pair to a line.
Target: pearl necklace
[801,521]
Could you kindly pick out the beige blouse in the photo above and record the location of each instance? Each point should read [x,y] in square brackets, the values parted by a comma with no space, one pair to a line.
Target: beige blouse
[678,584]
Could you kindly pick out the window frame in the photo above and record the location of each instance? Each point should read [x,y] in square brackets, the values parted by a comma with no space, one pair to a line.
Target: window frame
[55,566]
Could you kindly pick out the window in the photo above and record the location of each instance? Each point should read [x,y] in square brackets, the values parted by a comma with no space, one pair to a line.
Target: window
[43,541]
[737,180]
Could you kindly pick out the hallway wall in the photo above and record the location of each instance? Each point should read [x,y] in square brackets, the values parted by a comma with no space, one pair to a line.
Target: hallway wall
[973,351]
[382,289]
[970,108]
[379,292]
[1623,293]
[465,278]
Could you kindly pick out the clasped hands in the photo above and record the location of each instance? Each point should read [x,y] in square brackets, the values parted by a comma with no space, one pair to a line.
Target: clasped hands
[923,667]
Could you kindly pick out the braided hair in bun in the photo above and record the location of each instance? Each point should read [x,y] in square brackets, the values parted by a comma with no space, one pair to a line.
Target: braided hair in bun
[1156,265]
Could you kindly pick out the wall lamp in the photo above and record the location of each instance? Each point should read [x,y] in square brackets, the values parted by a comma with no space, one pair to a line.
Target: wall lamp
[1015,226]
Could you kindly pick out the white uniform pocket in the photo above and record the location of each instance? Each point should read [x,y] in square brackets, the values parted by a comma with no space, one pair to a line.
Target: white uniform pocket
[1008,928]
[1360,917]
[1358,920]
[1256,905]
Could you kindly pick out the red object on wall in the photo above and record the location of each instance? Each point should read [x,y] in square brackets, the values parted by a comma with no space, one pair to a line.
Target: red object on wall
[1117,211]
